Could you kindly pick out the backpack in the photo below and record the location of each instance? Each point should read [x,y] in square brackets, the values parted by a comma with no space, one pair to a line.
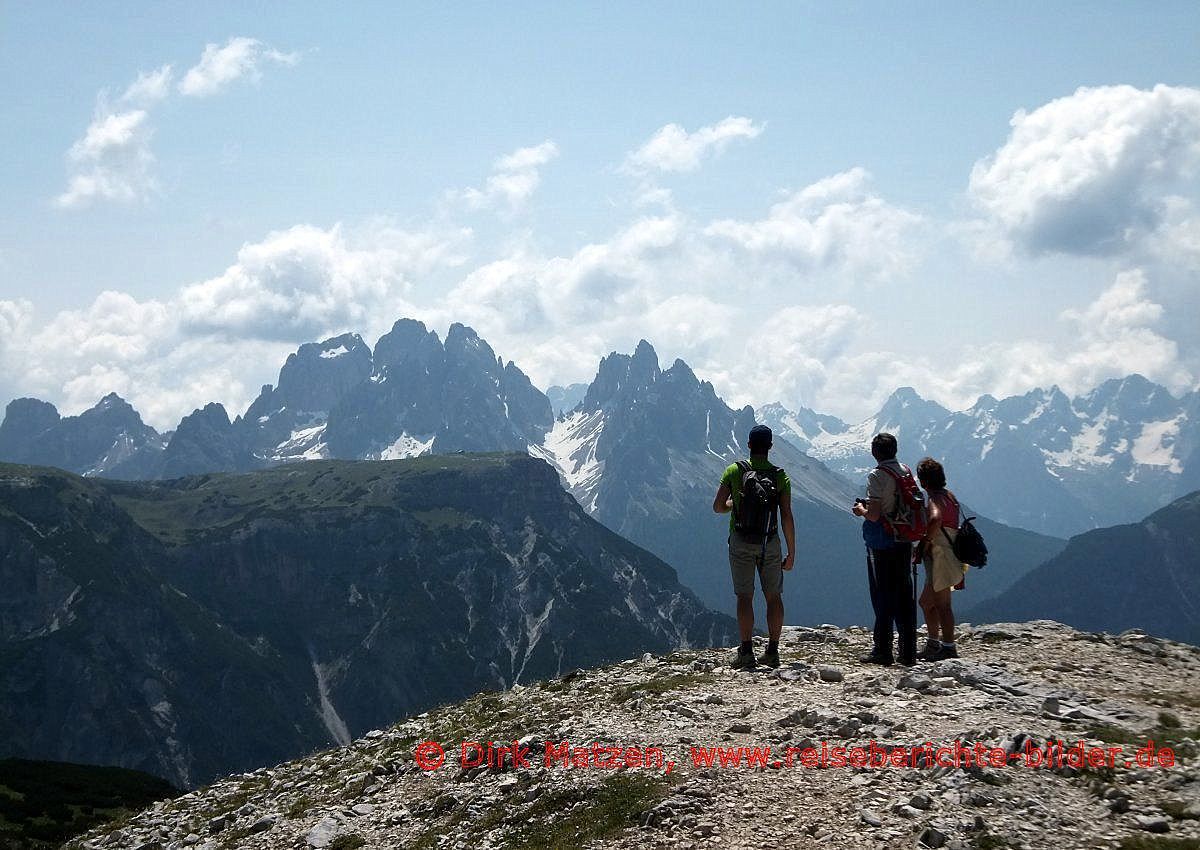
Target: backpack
[757,516]
[968,544]
[909,521]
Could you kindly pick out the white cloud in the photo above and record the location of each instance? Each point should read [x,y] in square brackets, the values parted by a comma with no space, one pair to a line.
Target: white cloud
[1090,173]
[836,221]
[1110,337]
[112,161]
[674,149]
[220,339]
[514,179]
[108,134]
[305,282]
[149,87]
[221,65]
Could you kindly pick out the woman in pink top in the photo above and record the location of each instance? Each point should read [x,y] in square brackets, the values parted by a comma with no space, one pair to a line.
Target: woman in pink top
[943,571]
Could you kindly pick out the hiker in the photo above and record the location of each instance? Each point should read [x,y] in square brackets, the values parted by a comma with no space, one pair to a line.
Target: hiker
[943,570]
[759,495]
[891,521]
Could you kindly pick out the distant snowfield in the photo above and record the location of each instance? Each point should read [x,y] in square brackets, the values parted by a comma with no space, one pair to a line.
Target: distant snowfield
[570,446]
[407,445]
[304,444]
[1155,446]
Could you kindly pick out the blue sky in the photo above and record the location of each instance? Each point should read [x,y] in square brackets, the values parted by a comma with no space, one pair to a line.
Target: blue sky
[338,176]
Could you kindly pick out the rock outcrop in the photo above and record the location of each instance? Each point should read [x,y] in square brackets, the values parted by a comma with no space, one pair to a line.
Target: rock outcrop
[1015,688]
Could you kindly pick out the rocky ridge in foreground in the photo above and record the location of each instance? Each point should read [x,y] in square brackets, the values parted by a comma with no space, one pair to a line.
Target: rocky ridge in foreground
[1015,687]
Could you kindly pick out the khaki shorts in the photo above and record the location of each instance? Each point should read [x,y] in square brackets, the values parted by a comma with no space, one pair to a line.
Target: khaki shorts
[745,559]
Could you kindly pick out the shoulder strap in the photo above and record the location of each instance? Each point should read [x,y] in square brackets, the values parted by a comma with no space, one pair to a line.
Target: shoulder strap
[893,472]
[744,466]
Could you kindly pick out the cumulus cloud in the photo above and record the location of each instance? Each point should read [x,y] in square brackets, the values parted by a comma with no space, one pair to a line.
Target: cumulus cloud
[221,338]
[1110,337]
[299,283]
[113,160]
[674,149]
[1090,173]
[149,87]
[221,65]
[835,221]
[514,178]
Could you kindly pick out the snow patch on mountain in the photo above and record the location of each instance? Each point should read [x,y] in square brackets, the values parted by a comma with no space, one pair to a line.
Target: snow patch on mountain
[407,445]
[304,444]
[571,447]
[1154,446]
[1086,448]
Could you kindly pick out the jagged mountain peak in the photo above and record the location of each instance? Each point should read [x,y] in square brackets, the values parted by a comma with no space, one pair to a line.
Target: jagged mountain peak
[407,338]
[1133,396]
[621,376]
[463,342]
[32,410]
[905,408]
[645,356]
[213,413]
[986,402]
[115,407]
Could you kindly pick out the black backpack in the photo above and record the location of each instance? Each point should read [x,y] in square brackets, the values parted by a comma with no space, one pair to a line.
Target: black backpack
[756,518]
[968,544]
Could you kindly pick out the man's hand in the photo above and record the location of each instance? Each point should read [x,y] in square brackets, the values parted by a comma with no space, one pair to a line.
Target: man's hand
[789,561]
[859,509]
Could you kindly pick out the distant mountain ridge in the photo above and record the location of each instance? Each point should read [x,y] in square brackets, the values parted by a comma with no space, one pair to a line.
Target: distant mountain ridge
[641,450]
[1142,575]
[644,450]
[1041,460]
[411,395]
[109,439]
[204,625]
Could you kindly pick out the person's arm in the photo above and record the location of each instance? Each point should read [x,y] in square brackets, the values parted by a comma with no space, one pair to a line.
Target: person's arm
[876,491]
[789,530]
[723,504]
[872,510]
[933,521]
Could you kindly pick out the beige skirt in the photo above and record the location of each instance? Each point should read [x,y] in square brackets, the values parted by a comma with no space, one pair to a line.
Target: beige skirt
[942,568]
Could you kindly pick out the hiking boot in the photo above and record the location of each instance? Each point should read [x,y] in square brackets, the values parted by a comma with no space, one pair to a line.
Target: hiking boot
[947,652]
[907,662]
[742,660]
[874,657]
[931,652]
[770,658]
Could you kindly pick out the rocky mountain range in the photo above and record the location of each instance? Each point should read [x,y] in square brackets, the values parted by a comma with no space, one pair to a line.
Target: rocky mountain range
[642,450]
[1143,575]
[775,780]
[109,439]
[411,395]
[211,624]
[1040,461]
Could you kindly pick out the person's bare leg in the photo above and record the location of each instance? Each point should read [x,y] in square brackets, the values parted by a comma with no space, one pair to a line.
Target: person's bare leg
[933,624]
[774,616]
[745,616]
[945,615]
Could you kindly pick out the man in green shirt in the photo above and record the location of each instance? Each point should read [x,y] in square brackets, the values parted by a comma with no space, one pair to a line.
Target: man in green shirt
[754,541]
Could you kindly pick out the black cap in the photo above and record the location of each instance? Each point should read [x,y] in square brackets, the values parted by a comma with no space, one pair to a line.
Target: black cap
[760,437]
